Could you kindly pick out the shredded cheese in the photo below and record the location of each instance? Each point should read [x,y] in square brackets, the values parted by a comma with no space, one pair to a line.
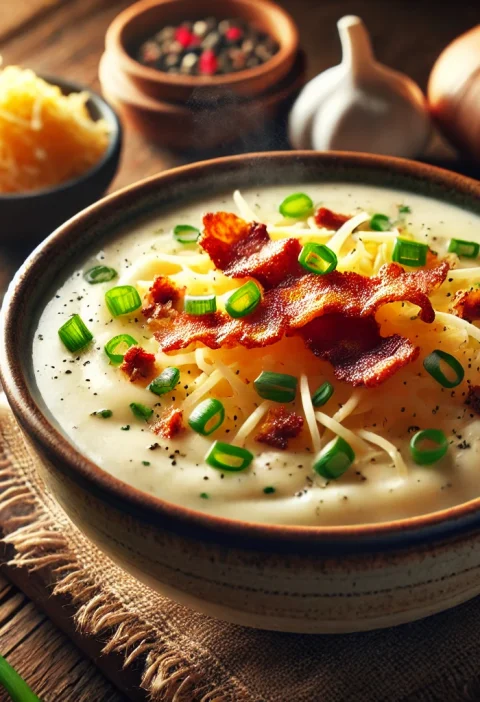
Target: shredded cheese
[250,423]
[46,138]
[309,413]
[390,448]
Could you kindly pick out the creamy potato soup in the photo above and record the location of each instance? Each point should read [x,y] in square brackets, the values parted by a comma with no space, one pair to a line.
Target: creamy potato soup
[339,390]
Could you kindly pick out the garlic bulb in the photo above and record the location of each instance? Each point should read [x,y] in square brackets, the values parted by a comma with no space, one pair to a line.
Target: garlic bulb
[360,105]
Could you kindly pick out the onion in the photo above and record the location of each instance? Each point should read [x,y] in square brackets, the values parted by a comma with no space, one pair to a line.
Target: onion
[454,92]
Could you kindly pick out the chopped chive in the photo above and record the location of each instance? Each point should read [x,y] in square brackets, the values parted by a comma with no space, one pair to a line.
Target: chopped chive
[322,394]
[278,387]
[432,365]
[104,413]
[165,382]
[243,301]
[125,428]
[200,304]
[100,274]
[269,490]
[204,495]
[141,411]
[296,205]
[186,234]
[122,300]
[227,457]
[334,459]
[404,209]
[468,249]
[317,258]
[427,456]
[145,463]
[207,417]
[380,223]
[74,334]
[14,684]
[112,345]
[410,253]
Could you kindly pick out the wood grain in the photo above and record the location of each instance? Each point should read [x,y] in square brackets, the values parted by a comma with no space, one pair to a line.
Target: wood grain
[66,38]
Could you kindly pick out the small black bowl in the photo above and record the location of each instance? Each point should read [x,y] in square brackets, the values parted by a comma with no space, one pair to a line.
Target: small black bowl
[30,216]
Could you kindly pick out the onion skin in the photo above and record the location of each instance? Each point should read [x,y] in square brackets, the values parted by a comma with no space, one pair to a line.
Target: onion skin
[454,92]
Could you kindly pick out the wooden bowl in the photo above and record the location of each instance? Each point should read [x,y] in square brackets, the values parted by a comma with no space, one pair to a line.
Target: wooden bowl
[289,578]
[32,215]
[139,21]
[181,127]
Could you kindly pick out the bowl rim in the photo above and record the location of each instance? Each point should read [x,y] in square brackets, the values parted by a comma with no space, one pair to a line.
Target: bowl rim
[114,41]
[107,113]
[154,510]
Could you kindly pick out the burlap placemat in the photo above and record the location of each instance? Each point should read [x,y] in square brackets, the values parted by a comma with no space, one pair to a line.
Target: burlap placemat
[187,657]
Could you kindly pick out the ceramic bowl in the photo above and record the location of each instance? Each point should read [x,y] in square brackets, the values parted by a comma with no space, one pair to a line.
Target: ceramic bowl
[138,22]
[181,127]
[30,216]
[298,579]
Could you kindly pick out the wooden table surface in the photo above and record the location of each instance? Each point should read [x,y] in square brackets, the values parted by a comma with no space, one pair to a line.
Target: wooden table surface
[66,37]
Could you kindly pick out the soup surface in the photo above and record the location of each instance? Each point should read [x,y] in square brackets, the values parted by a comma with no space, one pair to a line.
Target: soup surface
[298,484]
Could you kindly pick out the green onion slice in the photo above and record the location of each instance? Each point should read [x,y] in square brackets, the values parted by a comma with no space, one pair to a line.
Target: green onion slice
[122,300]
[380,223]
[227,457]
[427,456]
[141,411]
[200,304]
[207,417]
[296,205]
[322,394]
[317,258]
[74,334]
[269,490]
[100,274]
[165,382]
[468,249]
[112,345]
[432,365]
[404,209]
[410,253]
[243,301]
[186,234]
[334,459]
[104,413]
[278,387]
[14,684]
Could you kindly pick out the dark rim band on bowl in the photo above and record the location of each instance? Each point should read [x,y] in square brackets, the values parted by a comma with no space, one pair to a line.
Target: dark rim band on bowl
[107,113]
[393,172]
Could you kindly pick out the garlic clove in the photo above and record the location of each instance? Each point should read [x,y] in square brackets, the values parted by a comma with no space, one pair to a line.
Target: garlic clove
[360,105]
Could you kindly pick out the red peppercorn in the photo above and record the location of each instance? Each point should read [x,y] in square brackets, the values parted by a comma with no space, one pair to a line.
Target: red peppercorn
[234,33]
[208,63]
[184,36]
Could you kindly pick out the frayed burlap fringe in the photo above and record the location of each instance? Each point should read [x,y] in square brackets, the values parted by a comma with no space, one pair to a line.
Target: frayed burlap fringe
[38,543]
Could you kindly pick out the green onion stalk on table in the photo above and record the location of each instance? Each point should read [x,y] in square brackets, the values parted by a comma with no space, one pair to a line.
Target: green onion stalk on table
[15,685]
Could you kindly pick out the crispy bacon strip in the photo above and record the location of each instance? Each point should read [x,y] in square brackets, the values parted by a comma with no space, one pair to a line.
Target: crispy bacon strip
[473,398]
[329,219]
[359,355]
[170,424]
[278,427]
[138,363]
[466,305]
[241,250]
[334,313]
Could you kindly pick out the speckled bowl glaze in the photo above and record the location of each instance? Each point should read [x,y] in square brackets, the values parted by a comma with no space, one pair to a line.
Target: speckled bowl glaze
[298,579]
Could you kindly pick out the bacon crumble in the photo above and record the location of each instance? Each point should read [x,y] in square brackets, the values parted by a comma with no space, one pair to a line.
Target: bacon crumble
[170,424]
[138,363]
[466,305]
[329,219]
[278,427]
[161,297]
